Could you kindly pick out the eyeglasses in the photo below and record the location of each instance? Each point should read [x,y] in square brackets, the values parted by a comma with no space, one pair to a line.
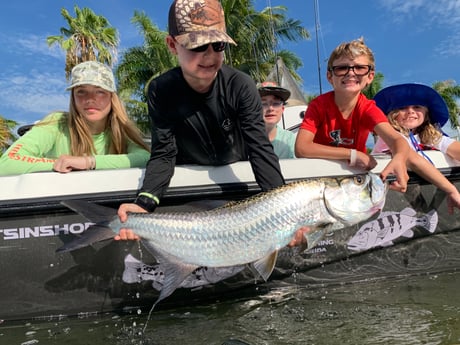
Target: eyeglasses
[359,70]
[273,105]
[216,46]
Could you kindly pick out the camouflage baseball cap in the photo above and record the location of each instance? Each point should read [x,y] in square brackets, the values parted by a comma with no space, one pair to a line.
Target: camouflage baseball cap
[194,23]
[92,73]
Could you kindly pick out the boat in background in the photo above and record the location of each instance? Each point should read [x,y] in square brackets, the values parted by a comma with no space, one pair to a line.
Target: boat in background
[116,276]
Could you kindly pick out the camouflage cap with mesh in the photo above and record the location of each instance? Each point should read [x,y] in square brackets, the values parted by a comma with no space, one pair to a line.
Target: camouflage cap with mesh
[194,23]
[92,73]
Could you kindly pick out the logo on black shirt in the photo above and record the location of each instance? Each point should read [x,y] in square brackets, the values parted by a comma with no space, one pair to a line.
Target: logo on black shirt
[227,125]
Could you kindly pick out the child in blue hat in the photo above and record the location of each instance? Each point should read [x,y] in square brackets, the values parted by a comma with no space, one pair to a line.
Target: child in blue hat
[418,112]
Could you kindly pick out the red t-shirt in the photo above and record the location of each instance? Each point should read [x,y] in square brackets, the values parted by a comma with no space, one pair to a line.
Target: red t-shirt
[324,119]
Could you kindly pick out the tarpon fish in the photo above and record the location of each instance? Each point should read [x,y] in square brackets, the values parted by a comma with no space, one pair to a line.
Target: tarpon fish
[250,231]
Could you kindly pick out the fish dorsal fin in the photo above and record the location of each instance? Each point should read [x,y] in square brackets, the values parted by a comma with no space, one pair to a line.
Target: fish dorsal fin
[264,267]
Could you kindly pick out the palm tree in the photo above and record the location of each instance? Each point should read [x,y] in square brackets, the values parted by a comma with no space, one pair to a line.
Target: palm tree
[139,65]
[371,90]
[6,133]
[450,92]
[89,37]
[257,35]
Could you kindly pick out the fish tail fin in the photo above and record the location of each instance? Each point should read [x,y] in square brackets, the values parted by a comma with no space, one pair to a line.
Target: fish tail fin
[432,221]
[100,215]
[94,213]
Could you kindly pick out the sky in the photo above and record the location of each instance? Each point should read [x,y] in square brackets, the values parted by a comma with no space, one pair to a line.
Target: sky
[412,40]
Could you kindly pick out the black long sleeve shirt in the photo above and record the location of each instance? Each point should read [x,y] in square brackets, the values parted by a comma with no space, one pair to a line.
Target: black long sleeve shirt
[219,127]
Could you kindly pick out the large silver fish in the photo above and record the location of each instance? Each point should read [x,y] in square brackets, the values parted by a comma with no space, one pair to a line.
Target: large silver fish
[250,231]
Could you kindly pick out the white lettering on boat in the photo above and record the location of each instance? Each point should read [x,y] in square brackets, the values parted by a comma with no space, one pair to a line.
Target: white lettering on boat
[317,250]
[321,246]
[43,231]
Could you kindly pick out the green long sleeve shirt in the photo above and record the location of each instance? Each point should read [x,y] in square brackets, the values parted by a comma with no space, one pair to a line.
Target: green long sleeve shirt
[37,150]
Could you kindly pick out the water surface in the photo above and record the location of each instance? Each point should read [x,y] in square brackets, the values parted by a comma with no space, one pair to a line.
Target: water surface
[417,309]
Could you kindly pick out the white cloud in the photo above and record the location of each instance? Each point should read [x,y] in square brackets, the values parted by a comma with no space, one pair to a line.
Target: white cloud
[440,12]
[33,94]
[31,84]
[30,45]
[426,15]
[449,46]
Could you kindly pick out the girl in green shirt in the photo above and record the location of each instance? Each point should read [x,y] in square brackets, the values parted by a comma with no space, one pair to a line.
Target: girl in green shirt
[96,132]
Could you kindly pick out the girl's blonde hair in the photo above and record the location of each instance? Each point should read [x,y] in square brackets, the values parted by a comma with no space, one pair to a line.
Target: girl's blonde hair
[120,127]
[352,50]
[427,132]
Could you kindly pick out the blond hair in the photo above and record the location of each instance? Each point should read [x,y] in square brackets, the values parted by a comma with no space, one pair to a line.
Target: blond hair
[427,132]
[121,129]
[351,50]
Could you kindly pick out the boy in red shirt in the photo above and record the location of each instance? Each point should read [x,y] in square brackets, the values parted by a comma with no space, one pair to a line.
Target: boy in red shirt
[337,124]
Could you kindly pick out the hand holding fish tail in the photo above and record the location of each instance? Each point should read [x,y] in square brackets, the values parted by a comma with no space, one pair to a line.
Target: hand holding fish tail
[123,210]
[126,235]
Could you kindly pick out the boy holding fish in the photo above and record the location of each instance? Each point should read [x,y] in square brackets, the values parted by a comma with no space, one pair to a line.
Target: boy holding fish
[217,119]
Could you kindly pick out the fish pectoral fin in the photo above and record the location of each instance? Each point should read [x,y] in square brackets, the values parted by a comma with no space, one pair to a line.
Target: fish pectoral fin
[264,267]
[317,234]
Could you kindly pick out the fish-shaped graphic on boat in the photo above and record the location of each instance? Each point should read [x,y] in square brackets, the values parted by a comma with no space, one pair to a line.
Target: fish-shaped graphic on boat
[390,226]
[136,271]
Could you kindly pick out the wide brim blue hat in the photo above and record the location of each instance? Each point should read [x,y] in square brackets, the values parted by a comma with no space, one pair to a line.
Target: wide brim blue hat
[403,95]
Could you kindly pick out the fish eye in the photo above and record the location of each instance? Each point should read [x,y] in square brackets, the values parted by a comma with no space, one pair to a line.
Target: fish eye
[359,179]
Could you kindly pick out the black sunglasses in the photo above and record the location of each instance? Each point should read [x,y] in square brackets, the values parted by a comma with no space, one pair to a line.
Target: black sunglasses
[216,46]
